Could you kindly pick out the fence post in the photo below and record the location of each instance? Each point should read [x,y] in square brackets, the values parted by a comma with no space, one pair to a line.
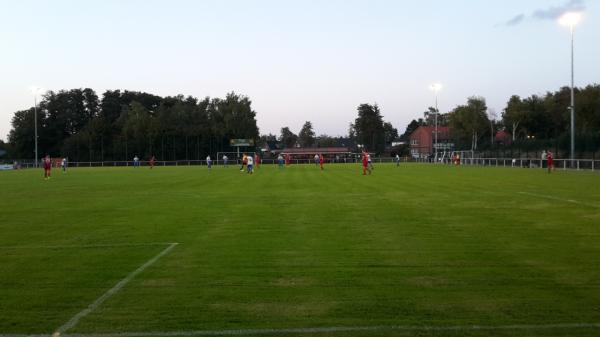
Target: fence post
[577,164]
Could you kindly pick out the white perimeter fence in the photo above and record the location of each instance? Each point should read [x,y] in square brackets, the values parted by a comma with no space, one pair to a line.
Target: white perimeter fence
[559,164]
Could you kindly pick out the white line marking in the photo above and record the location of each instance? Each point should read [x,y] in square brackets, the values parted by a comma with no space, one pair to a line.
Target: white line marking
[75,319]
[560,199]
[100,245]
[240,332]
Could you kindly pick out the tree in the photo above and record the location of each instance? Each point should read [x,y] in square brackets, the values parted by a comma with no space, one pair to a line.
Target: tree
[5,150]
[368,128]
[470,121]
[326,141]
[269,139]
[390,132]
[492,115]
[306,137]
[22,134]
[429,116]
[410,128]
[513,114]
[287,137]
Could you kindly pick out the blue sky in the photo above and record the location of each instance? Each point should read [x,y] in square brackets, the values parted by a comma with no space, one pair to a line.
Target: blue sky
[296,60]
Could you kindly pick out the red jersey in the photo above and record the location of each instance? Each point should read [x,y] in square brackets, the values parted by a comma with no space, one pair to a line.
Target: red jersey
[321,160]
[365,161]
[47,163]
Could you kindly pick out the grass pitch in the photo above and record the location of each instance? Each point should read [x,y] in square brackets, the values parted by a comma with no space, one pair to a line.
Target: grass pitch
[416,245]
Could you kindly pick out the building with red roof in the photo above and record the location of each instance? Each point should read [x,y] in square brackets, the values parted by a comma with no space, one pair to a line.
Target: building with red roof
[503,138]
[423,138]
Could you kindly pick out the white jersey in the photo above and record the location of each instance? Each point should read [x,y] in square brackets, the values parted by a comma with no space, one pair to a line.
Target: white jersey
[64,162]
[208,158]
[250,160]
[369,158]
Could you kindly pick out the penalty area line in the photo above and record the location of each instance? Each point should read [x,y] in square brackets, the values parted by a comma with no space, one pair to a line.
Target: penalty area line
[413,328]
[99,245]
[381,328]
[75,319]
[559,199]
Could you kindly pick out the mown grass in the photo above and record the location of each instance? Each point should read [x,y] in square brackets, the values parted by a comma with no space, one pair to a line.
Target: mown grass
[299,247]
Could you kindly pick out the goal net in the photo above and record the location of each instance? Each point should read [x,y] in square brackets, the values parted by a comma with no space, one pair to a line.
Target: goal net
[466,157]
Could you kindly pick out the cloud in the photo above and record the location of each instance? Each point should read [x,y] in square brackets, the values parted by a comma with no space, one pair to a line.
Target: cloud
[550,13]
[553,13]
[516,20]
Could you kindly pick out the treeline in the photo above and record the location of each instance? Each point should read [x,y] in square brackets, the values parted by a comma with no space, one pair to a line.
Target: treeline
[368,131]
[533,123]
[546,119]
[77,124]
[122,124]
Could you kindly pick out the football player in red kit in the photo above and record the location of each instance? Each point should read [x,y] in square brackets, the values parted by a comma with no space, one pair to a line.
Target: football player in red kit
[365,163]
[47,162]
[550,158]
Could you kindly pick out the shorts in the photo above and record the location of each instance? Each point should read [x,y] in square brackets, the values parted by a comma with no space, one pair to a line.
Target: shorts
[250,167]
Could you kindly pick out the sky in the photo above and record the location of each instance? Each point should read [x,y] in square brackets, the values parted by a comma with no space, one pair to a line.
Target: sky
[297,60]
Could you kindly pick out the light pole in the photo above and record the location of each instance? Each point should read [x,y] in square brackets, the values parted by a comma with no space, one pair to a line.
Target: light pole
[35,91]
[570,20]
[436,88]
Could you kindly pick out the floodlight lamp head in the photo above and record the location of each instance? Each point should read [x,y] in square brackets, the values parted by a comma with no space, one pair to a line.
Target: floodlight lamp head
[570,19]
[35,90]
[436,87]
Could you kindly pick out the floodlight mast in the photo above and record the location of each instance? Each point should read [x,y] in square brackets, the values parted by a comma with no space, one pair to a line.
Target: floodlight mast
[571,19]
[35,91]
[436,87]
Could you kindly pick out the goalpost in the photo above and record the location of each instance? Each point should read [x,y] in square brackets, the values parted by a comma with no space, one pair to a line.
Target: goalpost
[466,157]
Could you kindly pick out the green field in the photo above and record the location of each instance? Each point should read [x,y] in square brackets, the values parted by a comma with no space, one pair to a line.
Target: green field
[411,250]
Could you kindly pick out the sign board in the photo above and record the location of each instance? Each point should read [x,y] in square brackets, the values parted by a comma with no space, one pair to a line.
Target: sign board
[444,146]
[241,142]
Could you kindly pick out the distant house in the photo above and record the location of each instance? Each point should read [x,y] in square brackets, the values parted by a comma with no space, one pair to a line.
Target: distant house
[422,141]
[503,138]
